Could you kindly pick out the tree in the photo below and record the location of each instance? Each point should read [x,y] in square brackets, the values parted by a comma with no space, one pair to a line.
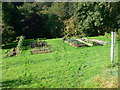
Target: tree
[37,22]
[10,20]
[11,15]
[95,18]
[60,9]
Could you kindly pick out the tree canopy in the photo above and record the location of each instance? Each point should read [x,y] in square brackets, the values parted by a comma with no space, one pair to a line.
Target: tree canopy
[57,19]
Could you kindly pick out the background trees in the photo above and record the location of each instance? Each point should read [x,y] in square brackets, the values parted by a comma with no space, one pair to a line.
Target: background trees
[96,18]
[38,22]
[57,19]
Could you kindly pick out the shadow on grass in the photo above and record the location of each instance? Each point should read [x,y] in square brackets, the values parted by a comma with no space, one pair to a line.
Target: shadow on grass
[10,84]
[14,83]
[25,43]
[14,44]
[10,45]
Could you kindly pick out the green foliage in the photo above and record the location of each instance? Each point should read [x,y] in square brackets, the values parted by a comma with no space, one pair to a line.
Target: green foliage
[70,28]
[21,39]
[107,35]
[11,16]
[96,18]
[8,35]
[45,24]
[61,9]
[0,12]
[57,19]
[9,52]
[118,35]
[27,9]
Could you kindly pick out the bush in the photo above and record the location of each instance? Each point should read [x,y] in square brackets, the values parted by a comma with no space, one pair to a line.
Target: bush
[70,28]
[20,42]
[118,35]
[8,35]
[107,35]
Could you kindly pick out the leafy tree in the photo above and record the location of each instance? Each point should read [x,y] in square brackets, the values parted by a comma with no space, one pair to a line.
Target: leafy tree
[11,16]
[54,26]
[70,28]
[60,9]
[47,19]
[8,34]
[96,18]
[36,23]
[10,20]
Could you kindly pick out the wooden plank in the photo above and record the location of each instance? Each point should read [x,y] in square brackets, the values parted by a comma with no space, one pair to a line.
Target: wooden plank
[98,41]
[80,40]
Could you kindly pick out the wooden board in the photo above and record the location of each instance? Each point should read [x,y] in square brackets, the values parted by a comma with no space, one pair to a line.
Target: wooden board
[37,52]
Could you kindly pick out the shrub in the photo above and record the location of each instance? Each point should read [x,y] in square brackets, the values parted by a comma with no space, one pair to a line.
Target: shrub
[70,28]
[8,35]
[20,42]
[118,35]
[13,52]
[107,35]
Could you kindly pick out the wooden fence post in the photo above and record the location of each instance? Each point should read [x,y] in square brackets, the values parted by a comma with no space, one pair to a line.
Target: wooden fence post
[113,38]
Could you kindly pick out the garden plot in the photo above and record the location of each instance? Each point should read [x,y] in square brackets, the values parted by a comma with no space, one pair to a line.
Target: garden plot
[92,42]
[40,47]
[74,43]
[98,41]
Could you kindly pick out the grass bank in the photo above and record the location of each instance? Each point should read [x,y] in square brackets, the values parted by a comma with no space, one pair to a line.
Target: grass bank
[66,67]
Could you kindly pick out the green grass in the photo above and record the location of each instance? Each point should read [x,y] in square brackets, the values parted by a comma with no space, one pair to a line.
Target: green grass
[66,67]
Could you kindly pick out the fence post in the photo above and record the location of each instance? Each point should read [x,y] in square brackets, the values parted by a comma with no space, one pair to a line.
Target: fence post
[113,38]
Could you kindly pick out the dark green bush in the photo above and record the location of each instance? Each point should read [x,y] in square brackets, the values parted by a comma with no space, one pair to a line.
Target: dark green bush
[8,35]
[51,20]
[107,35]
[118,35]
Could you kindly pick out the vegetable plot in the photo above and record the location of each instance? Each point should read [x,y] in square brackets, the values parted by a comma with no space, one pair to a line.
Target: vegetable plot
[40,47]
[92,42]
[75,43]
[83,42]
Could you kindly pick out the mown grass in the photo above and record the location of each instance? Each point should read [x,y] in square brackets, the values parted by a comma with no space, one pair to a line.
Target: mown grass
[66,67]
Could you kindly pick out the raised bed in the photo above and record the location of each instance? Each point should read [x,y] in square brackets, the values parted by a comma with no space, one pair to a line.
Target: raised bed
[92,42]
[37,51]
[74,43]
[81,40]
[98,41]
[40,47]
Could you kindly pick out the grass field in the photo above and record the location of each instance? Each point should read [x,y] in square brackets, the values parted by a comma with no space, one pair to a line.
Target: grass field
[66,67]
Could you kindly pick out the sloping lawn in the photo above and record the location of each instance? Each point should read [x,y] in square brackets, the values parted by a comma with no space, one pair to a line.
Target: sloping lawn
[66,67]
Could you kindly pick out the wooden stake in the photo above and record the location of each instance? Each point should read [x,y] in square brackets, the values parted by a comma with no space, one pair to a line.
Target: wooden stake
[113,38]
